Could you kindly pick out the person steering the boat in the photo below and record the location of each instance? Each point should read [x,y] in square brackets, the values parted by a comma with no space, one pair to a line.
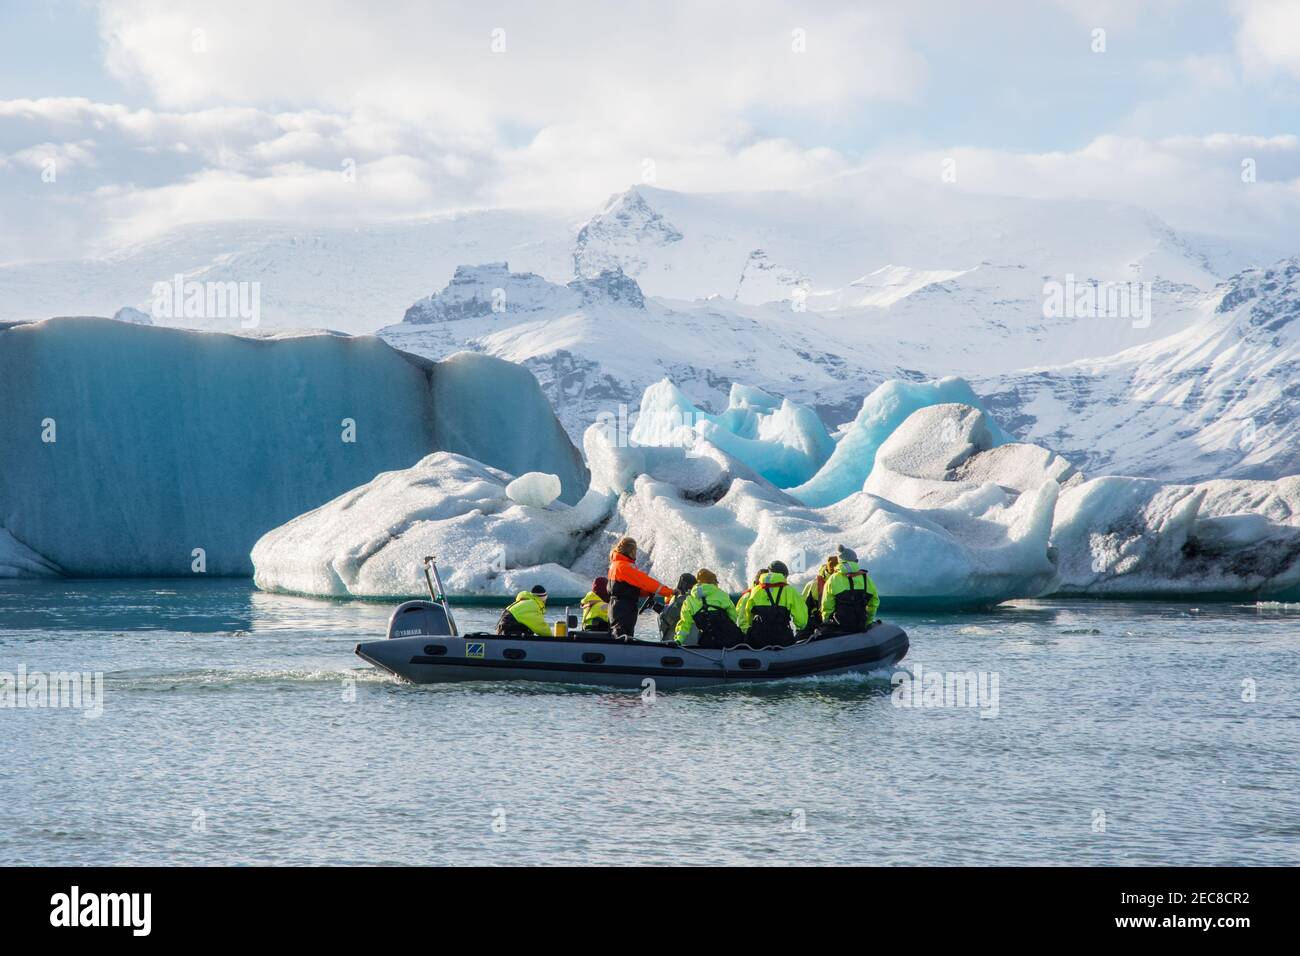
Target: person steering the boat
[627,585]
[595,606]
[850,599]
[772,607]
[708,611]
[527,615]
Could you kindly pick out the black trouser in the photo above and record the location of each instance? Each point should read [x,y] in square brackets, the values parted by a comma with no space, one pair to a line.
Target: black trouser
[624,606]
[716,628]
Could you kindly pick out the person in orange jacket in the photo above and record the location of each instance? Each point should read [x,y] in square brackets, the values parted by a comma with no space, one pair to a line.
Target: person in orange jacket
[627,585]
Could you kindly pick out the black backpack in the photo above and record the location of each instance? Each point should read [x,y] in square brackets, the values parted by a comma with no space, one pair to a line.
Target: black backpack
[850,614]
[769,624]
[510,626]
[716,627]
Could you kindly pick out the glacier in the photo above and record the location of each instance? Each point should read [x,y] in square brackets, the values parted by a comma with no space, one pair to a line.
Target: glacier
[134,450]
[353,278]
[816,295]
[596,343]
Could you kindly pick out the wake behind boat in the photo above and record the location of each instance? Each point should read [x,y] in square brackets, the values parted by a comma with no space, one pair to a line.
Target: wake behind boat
[424,646]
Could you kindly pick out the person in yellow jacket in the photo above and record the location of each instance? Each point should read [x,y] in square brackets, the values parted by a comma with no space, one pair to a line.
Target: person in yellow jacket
[850,599]
[746,594]
[527,615]
[772,607]
[812,591]
[595,606]
[709,610]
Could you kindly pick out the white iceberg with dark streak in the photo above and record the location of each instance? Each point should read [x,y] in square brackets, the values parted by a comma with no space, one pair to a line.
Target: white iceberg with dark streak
[1140,537]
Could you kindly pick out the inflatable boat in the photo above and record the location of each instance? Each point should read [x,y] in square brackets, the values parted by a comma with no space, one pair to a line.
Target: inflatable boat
[424,646]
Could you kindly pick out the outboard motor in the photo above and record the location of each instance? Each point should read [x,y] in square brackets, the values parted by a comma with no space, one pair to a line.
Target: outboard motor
[419,619]
[430,618]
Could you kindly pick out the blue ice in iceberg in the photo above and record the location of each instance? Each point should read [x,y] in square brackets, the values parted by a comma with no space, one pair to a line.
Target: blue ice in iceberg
[781,440]
[884,410]
[131,450]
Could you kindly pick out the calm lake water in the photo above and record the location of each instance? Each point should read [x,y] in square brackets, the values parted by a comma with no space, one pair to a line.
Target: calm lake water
[238,728]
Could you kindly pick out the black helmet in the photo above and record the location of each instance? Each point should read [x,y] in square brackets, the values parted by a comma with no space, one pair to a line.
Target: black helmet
[685,583]
[778,567]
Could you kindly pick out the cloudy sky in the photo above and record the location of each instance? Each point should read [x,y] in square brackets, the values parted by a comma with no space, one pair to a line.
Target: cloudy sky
[124,118]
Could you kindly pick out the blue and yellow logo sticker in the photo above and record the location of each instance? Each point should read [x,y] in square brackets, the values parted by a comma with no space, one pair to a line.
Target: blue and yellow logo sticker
[474,649]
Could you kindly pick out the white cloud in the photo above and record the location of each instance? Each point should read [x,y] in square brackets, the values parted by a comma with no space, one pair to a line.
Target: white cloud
[156,170]
[1269,38]
[655,70]
[64,156]
[1208,71]
[257,119]
[261,103]
[1195,183]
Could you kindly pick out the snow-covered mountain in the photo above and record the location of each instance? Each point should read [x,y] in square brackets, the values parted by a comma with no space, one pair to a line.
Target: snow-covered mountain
[1219,399]
[930,272]
[1216,398]
[691,245]
[351,279]
[597,343]
[816,294]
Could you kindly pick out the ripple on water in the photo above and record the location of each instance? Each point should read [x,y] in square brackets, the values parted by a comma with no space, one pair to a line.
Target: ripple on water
[252,710]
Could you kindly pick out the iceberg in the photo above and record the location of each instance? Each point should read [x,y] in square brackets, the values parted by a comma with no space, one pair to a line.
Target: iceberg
[882,412]
[1112,536]
[943,453]
[947,517]
[535,489]
[369,542]
[935,556]
[493,410]
[688,508]
[134,315]
[19,561]
[781,440]
[134,450]
[1140,537]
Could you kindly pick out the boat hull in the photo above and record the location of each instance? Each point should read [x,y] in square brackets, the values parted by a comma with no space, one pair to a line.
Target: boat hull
[599,660]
